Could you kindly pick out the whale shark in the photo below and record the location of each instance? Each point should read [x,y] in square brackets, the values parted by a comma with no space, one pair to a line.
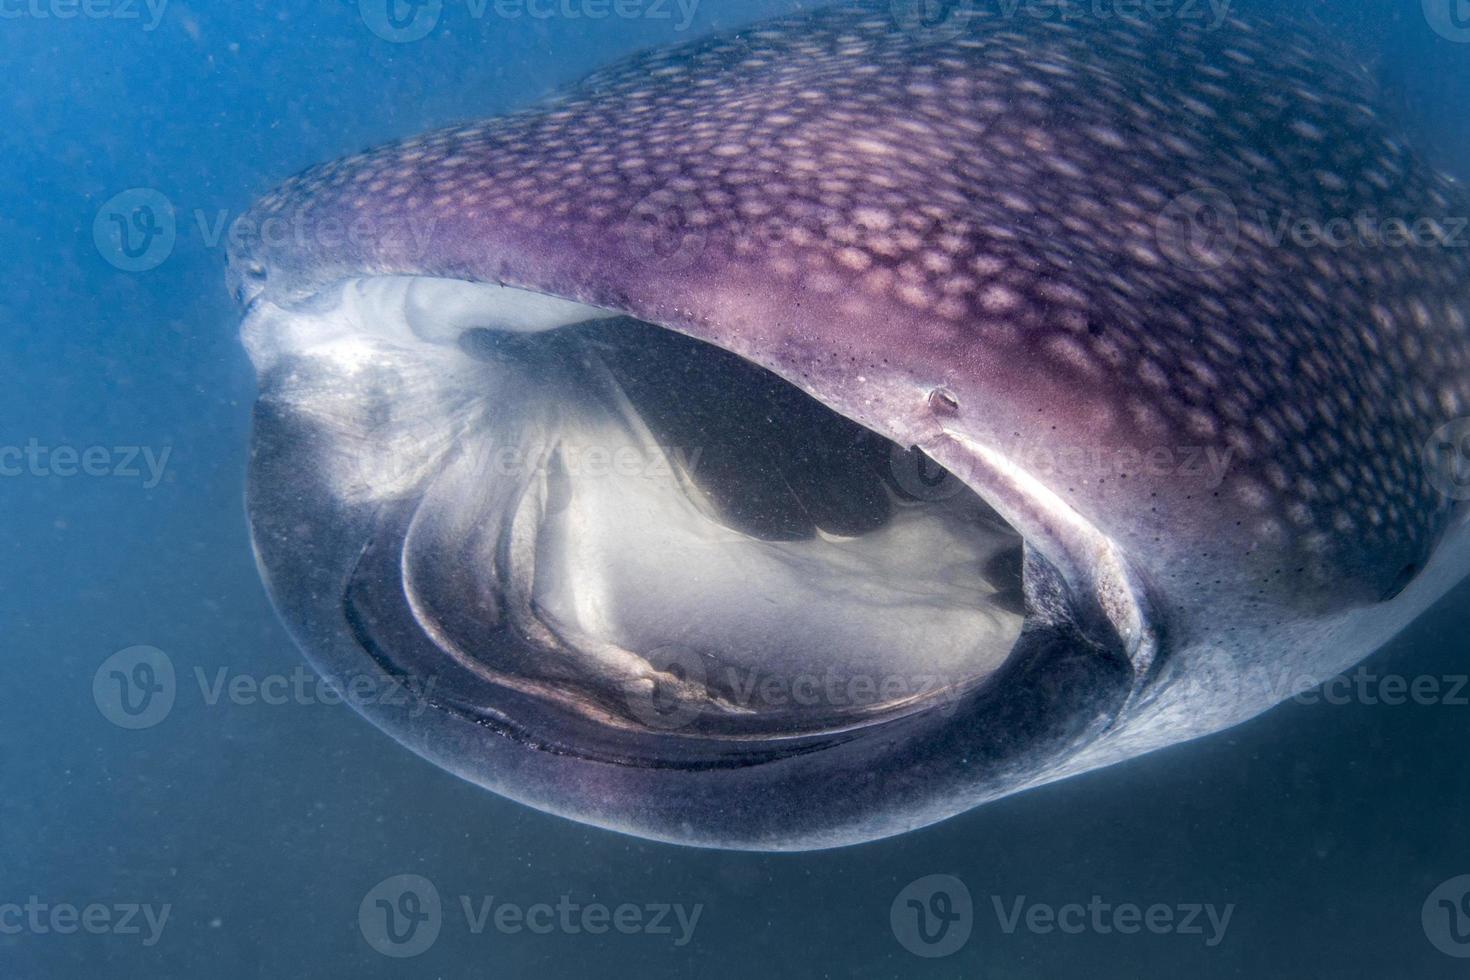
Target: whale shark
[811,432]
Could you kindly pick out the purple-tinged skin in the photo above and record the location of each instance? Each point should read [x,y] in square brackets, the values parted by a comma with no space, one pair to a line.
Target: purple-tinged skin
[1062,259]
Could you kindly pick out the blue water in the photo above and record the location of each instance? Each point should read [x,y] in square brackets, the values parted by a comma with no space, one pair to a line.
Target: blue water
[261,827]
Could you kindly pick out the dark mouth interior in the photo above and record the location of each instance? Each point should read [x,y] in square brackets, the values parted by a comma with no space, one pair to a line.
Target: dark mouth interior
[773,462]
[656,535]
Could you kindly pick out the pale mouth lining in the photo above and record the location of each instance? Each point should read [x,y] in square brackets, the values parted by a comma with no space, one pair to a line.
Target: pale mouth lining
[658,536]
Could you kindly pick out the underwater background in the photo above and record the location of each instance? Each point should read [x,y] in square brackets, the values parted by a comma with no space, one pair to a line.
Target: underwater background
[248,823]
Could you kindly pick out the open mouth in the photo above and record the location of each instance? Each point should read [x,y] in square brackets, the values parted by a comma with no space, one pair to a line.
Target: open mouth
[631,529]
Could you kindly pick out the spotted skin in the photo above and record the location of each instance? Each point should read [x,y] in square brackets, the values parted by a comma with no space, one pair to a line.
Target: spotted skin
[1081,234]
[1002,204]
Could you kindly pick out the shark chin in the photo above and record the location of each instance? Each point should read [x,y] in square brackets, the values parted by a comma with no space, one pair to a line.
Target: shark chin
[806,435]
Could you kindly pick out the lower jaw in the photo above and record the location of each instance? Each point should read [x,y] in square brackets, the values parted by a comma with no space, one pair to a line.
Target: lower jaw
[637,526]
[389,557]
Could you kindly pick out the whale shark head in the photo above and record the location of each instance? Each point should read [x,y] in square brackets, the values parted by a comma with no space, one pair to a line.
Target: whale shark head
[805,435]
